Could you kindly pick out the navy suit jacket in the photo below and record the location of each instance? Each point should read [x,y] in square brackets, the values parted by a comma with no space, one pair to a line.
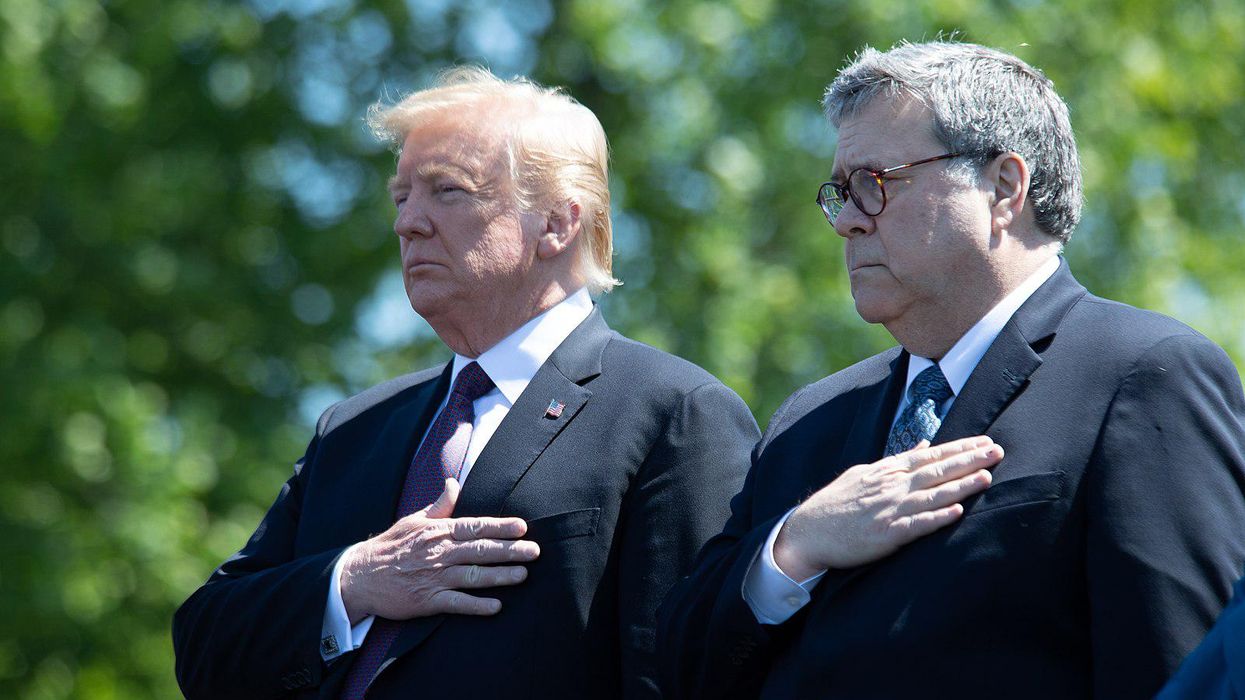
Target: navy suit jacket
[620,491]
[1101,554]
[1216,668]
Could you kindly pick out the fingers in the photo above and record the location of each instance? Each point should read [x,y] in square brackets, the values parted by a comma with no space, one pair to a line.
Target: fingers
[944,495]
[912,527]
[443,507]
[464,529]
[475,576]
[923,454]
[957,464]
[487,551]
[458,603]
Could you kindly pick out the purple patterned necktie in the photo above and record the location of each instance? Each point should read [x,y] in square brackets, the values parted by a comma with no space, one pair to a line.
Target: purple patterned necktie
[919,419]
[438,458]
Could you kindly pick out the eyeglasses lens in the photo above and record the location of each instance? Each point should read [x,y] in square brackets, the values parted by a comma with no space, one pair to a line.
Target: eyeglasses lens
[831,200]
[866,191]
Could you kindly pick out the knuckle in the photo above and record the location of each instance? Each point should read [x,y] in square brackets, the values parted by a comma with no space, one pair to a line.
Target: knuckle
[460,530]
[876,480]
[479,550]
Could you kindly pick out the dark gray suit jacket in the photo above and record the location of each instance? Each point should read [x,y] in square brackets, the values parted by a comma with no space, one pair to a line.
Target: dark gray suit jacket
[1096,561]
[620,492]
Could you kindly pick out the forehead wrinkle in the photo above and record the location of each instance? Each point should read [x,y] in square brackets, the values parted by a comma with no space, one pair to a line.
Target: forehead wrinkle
[436,168]
[888,140]
[469,148]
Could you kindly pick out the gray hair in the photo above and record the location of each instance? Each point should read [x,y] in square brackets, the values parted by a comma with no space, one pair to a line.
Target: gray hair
[985,102]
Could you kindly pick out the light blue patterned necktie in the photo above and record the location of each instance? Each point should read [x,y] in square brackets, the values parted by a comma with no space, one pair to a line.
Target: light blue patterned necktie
[919,419]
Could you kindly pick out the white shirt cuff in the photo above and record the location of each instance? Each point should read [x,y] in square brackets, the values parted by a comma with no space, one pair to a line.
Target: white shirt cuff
[337,636]
[772,595]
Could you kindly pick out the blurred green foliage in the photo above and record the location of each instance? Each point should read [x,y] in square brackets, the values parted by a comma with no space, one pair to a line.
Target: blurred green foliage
[196,253]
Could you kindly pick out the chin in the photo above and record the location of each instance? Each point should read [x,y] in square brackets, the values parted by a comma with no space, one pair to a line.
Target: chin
[874,310]
[425,300]
[871,315]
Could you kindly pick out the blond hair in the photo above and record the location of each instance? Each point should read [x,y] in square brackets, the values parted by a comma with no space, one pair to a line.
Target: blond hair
[556,148]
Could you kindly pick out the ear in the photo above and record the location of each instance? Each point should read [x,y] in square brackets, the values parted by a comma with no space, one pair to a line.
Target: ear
[1008,174]
[561,228]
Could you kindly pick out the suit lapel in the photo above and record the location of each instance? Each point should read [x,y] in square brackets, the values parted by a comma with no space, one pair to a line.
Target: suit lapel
[376,491]
[879,397]
[523,435]
[529,427]
[1000,374]
[1005,368]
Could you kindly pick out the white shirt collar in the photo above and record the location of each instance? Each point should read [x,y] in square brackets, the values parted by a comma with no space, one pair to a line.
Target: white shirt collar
[962,358]
[513,362]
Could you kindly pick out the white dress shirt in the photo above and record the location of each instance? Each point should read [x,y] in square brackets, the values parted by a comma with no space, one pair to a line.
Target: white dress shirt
[772,595]
[511,364]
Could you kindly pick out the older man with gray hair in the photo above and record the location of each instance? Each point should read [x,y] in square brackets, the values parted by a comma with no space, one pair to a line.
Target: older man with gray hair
[591,467]
[1093,556]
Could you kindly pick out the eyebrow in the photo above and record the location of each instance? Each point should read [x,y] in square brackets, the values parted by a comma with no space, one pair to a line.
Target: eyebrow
[870,165]
[430,171]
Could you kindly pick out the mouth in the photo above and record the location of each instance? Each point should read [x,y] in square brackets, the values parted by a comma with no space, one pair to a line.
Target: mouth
[421,263]
[862,266]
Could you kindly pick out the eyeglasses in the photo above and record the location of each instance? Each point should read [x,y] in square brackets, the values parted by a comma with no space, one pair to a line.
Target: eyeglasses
[865,188]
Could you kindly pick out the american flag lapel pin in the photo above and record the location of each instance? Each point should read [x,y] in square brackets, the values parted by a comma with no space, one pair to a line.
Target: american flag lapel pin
[555,409]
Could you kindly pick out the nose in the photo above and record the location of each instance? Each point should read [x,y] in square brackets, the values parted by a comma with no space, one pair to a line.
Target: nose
[411,222]
[852,222]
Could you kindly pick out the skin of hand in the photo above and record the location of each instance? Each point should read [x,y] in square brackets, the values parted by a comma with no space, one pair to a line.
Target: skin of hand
[871,510]
[417,567]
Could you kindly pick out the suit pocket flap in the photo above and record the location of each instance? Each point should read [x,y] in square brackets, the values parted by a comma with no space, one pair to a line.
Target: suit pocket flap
[1035,488]
[561,526]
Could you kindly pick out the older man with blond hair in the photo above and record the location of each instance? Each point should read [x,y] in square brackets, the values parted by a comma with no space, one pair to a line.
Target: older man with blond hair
[504,525]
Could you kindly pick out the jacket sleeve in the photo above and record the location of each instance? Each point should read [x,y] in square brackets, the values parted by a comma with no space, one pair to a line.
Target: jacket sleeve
[1216,669]
[678,501]
[1166,508]
[709,642]
[252,631]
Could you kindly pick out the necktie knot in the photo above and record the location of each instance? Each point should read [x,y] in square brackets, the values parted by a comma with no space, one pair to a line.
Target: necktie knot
[919,420]
[930,384]
[472,382]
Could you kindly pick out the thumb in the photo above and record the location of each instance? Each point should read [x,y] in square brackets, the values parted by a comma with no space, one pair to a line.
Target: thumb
[443,507]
